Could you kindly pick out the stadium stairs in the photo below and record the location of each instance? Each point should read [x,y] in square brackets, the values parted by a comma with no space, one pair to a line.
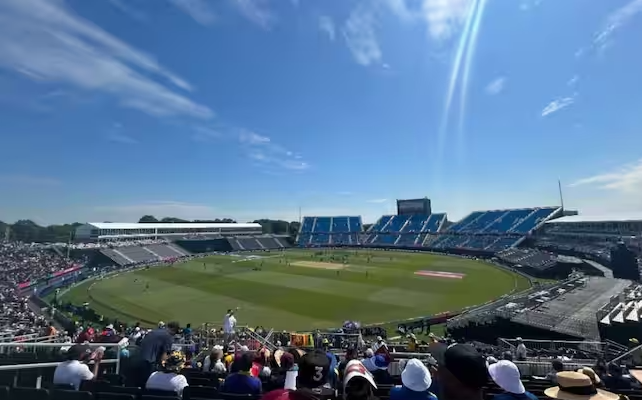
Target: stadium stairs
[329,231]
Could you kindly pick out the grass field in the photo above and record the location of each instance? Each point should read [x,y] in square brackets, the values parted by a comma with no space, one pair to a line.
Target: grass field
[298,289]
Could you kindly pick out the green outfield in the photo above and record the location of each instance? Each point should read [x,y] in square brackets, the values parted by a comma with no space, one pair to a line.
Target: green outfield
[298,289]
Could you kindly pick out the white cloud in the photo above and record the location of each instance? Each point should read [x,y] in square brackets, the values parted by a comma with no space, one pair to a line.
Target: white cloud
[496,86]
[199,10]
[615,21]
[205,134]
[121,138]
[627,179]
[377,201]
[326,25]
[573,81]
[128,10]
[557,105]
[445,17]
[360,36]
[28,180]
[256,11]
[48,43]
[269,154]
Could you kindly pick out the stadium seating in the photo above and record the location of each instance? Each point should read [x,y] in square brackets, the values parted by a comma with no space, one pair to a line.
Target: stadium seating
[533,258]
[326,231]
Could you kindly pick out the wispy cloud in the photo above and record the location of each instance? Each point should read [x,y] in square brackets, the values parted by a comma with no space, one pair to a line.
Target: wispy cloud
[121,138]
[627,178]
[526,5]
[445,17]
[205,134]
[326,25]
[573,81]
[257,11]
[616,21]
[557,105]
[262,150]
[46,41]
[199,10]
[360,36]
[377,201]
[496,86]
[29,180]
[128,10]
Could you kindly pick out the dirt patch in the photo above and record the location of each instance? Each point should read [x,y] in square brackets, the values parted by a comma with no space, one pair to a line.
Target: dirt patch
[320,265]
[441,274]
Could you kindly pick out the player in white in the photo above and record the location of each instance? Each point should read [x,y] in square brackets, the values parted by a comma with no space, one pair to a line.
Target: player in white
[229,323]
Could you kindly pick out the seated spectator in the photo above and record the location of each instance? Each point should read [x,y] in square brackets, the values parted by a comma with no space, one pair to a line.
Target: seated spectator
[214,363]
[314,368]
[75,370]
[285,365]
[242,382]
[558,366]
[462,372]
[506,375]
[615,379]
[351,354]
[577,386]
[358,384]
[507,355]
[378,367]
[260,367]
[168,378]
[416,382]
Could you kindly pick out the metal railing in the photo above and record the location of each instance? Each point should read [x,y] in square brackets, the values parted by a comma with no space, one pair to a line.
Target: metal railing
[40,366]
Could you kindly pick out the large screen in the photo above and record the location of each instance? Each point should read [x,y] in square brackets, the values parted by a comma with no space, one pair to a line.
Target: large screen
[416,206]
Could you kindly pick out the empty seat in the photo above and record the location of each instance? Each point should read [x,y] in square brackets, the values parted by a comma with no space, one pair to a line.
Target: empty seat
[22,393]
[61,394]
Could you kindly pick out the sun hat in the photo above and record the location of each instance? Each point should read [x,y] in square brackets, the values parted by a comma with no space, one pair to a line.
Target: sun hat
[415,376]
[577,386]
[174,362]
[355,369]
[506,375]
[588,371]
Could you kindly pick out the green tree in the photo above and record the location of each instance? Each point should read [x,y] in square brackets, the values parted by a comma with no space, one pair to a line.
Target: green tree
[146,219]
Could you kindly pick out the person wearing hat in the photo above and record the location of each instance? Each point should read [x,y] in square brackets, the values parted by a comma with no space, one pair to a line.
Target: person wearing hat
[75,370]
[577,386]
[378,367]
[379,343]
[242,382]
[168,377]
[520,351]
[358,383]
[311,381]
[416,381]
[229,323]
[461,371]
[506,375]
[154,347]
[588,371]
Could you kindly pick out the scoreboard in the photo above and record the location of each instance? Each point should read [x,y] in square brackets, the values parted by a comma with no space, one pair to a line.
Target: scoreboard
[414,206]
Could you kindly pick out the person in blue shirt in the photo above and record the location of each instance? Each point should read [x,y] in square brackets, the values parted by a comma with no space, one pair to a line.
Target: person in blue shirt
[242,382]
[506,375]
[416,381]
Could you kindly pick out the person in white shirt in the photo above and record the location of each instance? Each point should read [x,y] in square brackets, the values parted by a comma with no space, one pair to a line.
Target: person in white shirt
[74,370]
[521,351]
[229,323]
[380,343]
[214,363]
[168,378]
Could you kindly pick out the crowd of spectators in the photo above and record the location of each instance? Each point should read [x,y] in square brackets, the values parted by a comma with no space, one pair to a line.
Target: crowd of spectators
[21,262]
[115,243]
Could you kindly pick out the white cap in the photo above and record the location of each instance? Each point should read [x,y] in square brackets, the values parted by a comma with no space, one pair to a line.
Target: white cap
[416,376]
[379,338]
[354,369]
[506,375]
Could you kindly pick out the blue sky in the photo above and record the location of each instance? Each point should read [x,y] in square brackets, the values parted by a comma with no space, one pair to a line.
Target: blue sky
[111,109]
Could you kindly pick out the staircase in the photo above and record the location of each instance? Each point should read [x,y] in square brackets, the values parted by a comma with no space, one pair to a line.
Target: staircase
[120,253]
[518,223]
[314,225]
[153,253]
[240,245]
[177,250]
[383,228]
[279,243]
[260,244]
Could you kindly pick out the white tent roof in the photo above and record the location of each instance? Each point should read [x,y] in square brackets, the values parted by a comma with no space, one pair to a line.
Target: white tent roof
[180,225]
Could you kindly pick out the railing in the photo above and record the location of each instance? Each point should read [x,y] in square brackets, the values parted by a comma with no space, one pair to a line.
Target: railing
[40,366]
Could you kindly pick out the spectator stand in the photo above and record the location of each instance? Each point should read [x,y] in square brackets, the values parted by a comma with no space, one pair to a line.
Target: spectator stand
[585,350]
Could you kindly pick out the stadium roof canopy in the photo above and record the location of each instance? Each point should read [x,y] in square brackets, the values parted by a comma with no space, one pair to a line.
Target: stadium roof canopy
[180,225]
[631,217]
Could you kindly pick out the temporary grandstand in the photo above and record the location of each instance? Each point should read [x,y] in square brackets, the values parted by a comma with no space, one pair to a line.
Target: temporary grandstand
[564,310]
[621,318]
[326,231]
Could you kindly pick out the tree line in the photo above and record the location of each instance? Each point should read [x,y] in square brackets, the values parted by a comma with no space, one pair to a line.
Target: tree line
[30,232]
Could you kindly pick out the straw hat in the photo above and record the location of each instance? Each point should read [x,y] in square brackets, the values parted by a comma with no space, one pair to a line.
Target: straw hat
[588,371]
[577,386]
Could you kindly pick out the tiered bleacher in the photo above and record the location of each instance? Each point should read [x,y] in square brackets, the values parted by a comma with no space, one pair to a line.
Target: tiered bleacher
[493,230]
[329,231]
[408,230]
[564,310]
